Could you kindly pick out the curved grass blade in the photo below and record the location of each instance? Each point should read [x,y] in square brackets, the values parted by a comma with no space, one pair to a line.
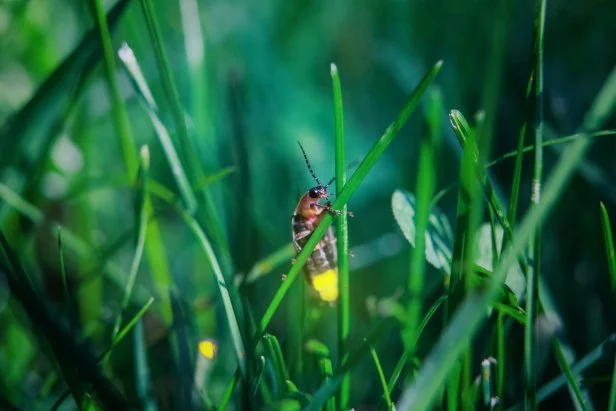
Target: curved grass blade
[230,310]
[177,169]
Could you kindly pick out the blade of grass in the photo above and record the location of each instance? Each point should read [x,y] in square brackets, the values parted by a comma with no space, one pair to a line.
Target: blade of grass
[574,386]
[127,57]
[609,247]
[230,310]
[182,346]
[142,370]
[532,280]
[403,360]
[120,115]
[343,239]
[381,375]
[426,182]
[546,143]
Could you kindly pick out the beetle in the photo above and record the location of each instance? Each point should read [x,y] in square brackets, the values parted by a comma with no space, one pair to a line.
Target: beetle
[321,268]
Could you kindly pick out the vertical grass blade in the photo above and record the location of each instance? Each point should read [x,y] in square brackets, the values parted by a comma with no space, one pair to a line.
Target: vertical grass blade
[532,281]
[343,240]
[120,116]
[426,183]
[609,247]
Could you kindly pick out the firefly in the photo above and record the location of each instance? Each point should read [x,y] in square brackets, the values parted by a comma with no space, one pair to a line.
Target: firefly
[321,268]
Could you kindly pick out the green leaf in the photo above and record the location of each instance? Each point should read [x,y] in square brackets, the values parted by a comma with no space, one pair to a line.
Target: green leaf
[439,236]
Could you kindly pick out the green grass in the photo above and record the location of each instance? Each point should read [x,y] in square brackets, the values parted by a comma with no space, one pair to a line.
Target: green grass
[465,281]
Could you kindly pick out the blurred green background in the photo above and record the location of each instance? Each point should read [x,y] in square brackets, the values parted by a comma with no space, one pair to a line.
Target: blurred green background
[253,77]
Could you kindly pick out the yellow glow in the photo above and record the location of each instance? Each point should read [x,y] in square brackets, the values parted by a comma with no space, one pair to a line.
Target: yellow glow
[207,348]
[326,284]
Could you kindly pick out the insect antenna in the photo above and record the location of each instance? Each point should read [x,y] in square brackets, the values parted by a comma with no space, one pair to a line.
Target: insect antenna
[349,167]
[308,164]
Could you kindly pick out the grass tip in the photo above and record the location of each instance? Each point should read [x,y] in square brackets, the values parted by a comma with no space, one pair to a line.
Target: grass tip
[144,153]
[126,53]
[438,64]
[333,69]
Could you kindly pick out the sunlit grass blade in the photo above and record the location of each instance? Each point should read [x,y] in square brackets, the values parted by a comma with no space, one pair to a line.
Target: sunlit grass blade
[175,165]
[421,394]
[229,391]
[342,238]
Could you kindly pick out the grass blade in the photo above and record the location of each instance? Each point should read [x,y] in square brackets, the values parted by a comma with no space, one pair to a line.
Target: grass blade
[381,375]
[343,240]
[230,310]
[532,281]
[609,247]
[127,57]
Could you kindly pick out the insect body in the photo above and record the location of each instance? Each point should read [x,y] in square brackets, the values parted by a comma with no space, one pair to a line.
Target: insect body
[321,269]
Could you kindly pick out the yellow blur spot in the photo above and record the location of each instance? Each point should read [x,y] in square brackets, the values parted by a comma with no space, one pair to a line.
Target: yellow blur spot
[326,284]
[207,348]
